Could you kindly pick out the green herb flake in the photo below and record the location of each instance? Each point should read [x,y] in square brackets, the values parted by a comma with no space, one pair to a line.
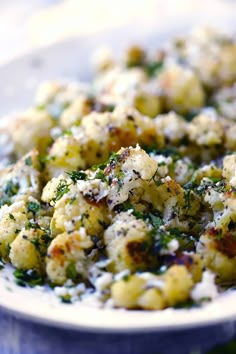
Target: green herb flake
[11,188]
[100,175]
[12,217]
[28,161]
[77,175]
[28,278]
[62,189]
[114,158]
[154,67]
[33,207]
[72,200]
[66,299]
[71,271]
[32,225]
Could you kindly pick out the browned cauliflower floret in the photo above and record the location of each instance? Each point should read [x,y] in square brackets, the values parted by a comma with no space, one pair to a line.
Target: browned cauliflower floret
[218,250]
[66,257]
[101,133]
[72,210]
[128,243]
[147,134]
[29,248]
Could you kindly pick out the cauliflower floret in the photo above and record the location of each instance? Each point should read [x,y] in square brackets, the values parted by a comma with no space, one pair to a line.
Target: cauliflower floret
[153,292]
[125,293]
[177,285]
[28,250]
[148,100]
[66,253]
[21,180]
[121,85]
[179,207]
[12,219]
[229,169]
[37,124]
[224,208]
[225,100]
[230,137]
[132,169]
[128,243]
[206,289]
[172,126]
[211,54]
[101,133]
[206,129]
[183,171]
[211,171]
[152,299]
[72,115]
[72,210]
[145,127]
[182,88]
[65,155]
[219,253]
[103,59]
[46,92]
[6,143]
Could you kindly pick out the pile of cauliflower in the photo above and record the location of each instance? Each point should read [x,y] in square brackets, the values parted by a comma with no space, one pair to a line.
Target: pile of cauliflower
[124,191]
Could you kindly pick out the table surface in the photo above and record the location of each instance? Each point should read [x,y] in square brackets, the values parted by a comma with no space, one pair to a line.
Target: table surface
[22,337]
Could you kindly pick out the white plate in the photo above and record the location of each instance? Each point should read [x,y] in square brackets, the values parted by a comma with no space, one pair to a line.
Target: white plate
[18,82]
[41,305]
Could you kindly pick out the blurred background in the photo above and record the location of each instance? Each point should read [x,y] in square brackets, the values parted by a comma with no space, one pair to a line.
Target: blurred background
[25,25]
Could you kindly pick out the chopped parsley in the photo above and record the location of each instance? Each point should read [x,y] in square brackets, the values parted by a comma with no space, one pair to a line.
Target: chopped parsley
[77,175]
[66,299]
[114,158]
[33,207]
[4,201]
[28,161]
[28,278]
[100,175]
[11,188]
[128,206]
[12,217]
[71,271]
[153,67]
[62,188]
[32,225]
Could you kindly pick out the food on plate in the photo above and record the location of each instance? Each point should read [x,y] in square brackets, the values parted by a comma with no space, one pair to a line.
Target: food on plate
[122,193]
